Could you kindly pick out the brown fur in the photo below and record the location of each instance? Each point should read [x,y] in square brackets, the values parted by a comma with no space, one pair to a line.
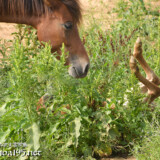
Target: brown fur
[37,8]
[51,21]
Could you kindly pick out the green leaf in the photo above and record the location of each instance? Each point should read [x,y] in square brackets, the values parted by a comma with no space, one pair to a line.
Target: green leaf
[69,142]
[114,133]
[2,109]
[34,137]
[54,128]
[4,135]
[77,128]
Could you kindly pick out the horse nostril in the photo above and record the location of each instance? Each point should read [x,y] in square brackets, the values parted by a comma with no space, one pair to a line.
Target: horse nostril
[86,68]
[75,71]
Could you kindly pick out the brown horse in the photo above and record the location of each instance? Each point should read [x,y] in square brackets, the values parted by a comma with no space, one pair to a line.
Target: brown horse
[151,83]
[56,22]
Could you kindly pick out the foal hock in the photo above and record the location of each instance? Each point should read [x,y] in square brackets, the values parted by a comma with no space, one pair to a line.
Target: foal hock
[56,22]
[151,82]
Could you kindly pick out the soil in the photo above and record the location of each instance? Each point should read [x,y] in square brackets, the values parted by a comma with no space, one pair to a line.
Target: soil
[119,158]
[6,30]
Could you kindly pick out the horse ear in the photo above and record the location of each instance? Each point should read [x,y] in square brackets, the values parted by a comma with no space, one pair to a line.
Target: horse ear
[51,3]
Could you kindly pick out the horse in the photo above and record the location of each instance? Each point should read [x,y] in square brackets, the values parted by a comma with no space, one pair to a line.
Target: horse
[56,22]
[151,83]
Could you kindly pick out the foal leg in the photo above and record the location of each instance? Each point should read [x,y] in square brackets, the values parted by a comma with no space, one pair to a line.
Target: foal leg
[152,81]
[150,75]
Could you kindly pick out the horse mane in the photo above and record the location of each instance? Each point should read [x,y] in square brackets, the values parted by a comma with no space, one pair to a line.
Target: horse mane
[74,8]
[37,8]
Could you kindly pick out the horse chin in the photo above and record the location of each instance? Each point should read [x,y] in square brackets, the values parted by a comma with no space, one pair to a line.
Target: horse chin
[74,73]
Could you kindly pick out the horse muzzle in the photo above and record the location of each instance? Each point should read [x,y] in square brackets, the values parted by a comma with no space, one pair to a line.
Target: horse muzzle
[78,71]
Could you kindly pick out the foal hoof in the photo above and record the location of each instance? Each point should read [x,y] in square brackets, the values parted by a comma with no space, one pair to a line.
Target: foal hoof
[133,65]
[137,48]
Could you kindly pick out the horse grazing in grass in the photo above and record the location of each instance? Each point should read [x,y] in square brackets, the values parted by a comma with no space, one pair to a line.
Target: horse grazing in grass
[56,22]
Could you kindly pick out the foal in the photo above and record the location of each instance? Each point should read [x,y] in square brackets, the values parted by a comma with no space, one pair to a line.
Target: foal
[151,82]
[56,22]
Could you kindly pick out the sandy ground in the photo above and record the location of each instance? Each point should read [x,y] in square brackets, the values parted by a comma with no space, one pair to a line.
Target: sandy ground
[118,158]
[101,12]
[6,30]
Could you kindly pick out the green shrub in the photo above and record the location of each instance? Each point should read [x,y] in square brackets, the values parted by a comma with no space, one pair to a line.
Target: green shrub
[106,111]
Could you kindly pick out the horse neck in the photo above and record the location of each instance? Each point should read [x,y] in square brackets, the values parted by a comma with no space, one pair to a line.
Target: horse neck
[33,21]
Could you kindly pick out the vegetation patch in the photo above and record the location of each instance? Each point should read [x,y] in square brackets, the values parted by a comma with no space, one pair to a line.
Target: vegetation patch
[98,116]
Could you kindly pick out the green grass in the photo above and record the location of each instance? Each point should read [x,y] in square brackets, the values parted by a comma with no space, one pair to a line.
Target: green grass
[98,122]
[149,148]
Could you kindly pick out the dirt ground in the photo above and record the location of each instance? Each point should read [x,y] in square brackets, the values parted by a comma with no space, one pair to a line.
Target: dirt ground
[6,30]
[118,158]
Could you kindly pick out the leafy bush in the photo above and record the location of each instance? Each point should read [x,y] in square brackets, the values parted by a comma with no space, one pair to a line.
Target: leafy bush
[106,112]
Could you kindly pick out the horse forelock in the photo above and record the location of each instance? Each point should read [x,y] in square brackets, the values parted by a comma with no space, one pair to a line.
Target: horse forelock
[37,8]
[74,8]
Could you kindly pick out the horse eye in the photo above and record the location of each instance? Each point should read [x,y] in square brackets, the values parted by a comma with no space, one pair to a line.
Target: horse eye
[68,25]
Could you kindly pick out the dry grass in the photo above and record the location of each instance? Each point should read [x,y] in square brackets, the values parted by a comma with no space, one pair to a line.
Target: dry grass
[100,12]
